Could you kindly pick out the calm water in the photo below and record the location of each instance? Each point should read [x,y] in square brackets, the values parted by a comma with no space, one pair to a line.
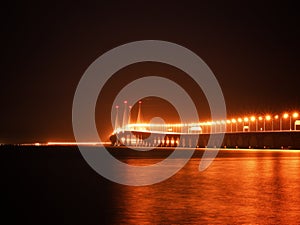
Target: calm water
[240,187]
[263,189]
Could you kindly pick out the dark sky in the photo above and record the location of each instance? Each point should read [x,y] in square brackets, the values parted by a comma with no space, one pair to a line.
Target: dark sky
[252,48]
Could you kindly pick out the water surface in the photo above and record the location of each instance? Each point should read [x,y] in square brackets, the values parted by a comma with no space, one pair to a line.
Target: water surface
[240,187]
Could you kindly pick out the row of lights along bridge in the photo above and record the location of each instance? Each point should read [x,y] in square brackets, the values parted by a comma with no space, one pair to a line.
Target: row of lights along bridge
[284,122]
[260,123]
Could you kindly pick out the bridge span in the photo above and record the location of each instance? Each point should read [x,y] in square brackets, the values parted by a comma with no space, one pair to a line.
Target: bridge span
[279,131]
[257,140]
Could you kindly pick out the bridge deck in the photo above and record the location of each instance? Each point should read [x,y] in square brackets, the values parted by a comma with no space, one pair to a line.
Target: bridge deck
[259,140]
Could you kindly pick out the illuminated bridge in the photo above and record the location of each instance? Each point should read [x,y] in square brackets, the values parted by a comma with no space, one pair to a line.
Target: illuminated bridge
[280,131]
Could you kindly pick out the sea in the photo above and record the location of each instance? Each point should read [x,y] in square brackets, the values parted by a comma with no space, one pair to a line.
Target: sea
[55,185]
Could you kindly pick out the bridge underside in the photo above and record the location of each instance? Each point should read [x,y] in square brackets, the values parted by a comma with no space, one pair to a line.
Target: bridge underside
[258,140]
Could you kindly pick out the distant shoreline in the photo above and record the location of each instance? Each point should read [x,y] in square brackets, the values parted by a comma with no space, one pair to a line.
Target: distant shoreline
[125,153]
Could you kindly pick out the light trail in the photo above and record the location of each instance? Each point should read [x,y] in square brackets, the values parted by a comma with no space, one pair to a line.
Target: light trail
[77,143]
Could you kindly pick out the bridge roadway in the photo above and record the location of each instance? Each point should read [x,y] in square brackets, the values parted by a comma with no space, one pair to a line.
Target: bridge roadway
[257,140]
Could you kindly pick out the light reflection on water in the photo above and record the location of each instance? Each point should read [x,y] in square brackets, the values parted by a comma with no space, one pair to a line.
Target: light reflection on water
[263,189]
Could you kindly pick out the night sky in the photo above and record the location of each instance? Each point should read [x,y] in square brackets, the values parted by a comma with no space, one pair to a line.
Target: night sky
[252,48]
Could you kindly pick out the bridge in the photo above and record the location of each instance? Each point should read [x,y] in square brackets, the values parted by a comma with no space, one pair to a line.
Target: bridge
[279,131]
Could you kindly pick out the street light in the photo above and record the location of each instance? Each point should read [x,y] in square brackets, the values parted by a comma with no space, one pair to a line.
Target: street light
[254,119]
[240,120]
[276,118]
[214,125]
[234,121]
[224,123]
[208,127]
[260,119]
[268,118]
[285,116]
[229,122]
[219,123]
[295,115]
[246,120]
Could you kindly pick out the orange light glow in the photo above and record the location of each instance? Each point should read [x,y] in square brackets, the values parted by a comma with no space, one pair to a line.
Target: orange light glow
[172,142]
[77,143]
[200,126]
[295,115]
